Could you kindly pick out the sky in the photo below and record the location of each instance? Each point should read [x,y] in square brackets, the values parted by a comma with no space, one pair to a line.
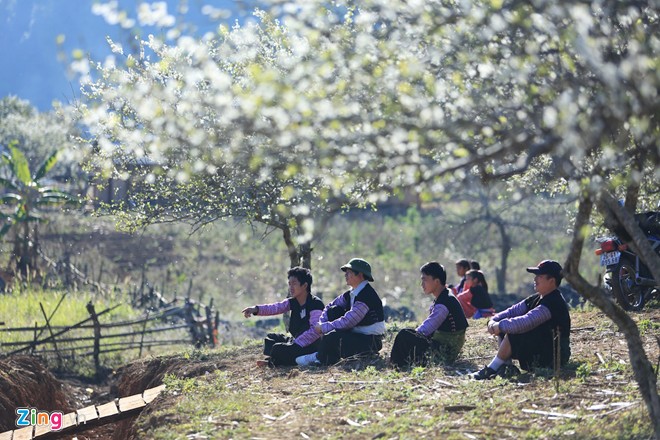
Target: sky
[33,65]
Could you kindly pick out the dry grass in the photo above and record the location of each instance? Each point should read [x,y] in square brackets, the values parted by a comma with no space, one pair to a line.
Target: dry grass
[26,383]
[595,397]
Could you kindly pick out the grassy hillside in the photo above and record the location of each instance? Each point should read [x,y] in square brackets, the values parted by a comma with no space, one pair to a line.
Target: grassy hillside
[595,396]
[239,265]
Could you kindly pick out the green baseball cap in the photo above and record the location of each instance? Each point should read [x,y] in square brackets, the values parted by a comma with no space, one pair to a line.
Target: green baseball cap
[359,265]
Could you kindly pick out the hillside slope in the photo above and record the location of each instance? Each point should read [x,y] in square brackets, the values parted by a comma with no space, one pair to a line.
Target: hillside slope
[223,394]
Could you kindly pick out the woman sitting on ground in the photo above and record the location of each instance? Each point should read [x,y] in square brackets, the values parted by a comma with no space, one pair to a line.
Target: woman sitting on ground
[474,298]
[305,311]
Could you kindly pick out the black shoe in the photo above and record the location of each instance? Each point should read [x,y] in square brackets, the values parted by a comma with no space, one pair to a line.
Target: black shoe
[484,373]
[508,370]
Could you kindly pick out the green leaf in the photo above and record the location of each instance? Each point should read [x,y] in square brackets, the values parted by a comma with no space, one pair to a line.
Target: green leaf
[19,164]
[46,166]
[53,199]
[10,198]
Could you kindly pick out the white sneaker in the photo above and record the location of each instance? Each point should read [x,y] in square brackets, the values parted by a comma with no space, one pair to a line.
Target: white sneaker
[307,359]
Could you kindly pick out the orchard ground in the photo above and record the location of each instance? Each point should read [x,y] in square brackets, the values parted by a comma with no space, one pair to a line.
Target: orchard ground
[221,393]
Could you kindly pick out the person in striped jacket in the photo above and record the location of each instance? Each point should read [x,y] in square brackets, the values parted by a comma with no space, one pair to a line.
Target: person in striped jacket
[305,311]
[442,334]
[536,331]
[353,323]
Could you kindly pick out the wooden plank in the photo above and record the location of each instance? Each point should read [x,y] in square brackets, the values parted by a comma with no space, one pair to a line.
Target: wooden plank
[87,415]
[69,420]
[6,435]
[23,433]
[131,402]
[150,394]
[42,430]
[107,409]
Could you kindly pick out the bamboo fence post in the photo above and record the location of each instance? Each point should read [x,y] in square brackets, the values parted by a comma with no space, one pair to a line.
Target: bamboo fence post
[139,291]
[144,327]
[189,288]
[209,326]
[52,314]
[190,320]
[34,342]
[216,324]
[50,330]
[97,336]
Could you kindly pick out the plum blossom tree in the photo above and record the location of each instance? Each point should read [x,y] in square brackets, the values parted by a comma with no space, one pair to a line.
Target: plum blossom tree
[174,112]
[351,101]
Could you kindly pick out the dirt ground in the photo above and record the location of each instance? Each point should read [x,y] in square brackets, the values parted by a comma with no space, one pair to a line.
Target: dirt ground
[593,340]
[24,381]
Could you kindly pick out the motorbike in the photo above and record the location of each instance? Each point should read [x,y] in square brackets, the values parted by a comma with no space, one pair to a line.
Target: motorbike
[629,279]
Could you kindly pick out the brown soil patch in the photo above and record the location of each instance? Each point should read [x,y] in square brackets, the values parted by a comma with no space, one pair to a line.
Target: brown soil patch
[25,382]
[143,374]
[595,341]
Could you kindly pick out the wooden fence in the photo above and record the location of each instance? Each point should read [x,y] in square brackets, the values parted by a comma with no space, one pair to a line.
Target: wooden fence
[92,337]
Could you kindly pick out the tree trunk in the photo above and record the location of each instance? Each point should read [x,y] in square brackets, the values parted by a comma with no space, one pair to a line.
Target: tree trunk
[294,256]
[23,256]
[642,367]
[504,257]
[632,190]
[299,255]
[305,252]
[34,252]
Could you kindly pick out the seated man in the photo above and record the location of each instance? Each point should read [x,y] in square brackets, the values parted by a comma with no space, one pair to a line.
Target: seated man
[353,323]
[305,313]
[528,330]
[442,333]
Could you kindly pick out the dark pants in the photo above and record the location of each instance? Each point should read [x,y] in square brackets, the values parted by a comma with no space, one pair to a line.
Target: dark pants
[283,351]
[537,348]
[342,344]
[409,348]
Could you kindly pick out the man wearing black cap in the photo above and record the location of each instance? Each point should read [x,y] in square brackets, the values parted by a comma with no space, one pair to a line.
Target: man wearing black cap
[353,323]
[536,330]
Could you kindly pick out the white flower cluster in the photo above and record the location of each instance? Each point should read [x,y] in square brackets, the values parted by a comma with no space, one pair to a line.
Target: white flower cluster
[360,99]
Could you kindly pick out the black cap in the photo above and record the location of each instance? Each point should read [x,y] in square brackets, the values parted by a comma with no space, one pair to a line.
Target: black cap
[546,267]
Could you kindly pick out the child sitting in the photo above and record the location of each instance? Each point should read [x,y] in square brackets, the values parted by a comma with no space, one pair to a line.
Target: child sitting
[474,298]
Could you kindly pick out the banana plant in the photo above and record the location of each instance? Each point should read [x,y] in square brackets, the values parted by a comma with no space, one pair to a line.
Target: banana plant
[26,197]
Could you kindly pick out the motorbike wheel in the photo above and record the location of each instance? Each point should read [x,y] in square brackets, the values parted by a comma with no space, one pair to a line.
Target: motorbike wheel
[627,294]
